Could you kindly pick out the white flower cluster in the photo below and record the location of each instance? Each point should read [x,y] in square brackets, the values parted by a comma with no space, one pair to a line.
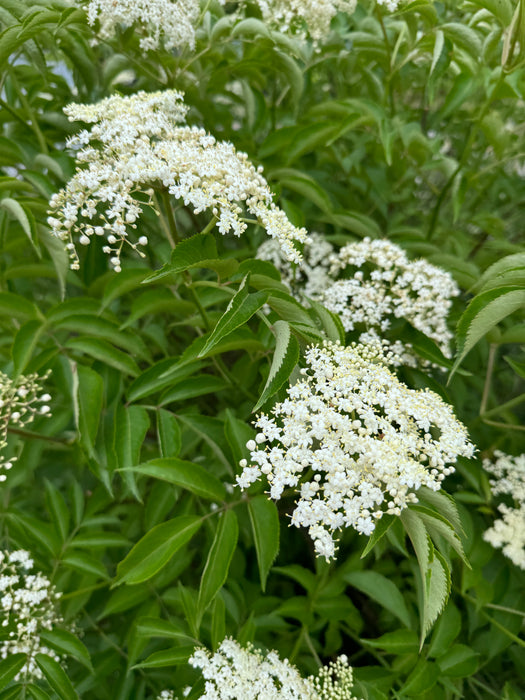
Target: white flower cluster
[234,672]
[384,284]
[134,145]
[169,21]
[21,401]
[364,441]
[391,5]
[508,533]
[289,15]
[310,277]
[378,284]
[28,607]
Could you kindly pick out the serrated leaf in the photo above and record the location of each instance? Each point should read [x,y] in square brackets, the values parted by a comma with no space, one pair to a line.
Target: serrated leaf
[437,586]
[381,528]
[436,524]
[382,590]
[56,677]
[188,475]
[284,360]
[198,251]
[240,309]
[265,527]
[218,560]
[484,312]
[156,548]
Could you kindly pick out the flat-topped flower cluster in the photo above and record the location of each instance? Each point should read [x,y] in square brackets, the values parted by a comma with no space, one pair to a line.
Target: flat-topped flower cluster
[304,16]
[234,672]
[354,442]
[21,401]
[370,284]
[136,145]
[28,607]
[508,532]
[168,22]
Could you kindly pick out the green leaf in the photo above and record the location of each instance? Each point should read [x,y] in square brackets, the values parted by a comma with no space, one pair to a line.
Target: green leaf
[218,560]
[382,590]
[9,667]
[169,433]
[188,475]
[465,37]
[85,563]
[156,548]
[194,386]
[58,510]
[460,661]
[155,627]
[483,313]
[237,433]
[169,657]
[445,631]
[24,217]
[382,526]
[421,679]
[106,353]
[264,518]
[198,251]
[500,268]
[218,622]
[56,677]
[131,426]
[24,344]
[437,586]
[15,306]
[437,524]
[399,642]
[330,321]
[88,399]
[67,643]
[284,361]
[305,186]
[240,309]
[502,9]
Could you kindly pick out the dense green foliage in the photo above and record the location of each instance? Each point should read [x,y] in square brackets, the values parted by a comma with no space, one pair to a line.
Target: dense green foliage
[407,126]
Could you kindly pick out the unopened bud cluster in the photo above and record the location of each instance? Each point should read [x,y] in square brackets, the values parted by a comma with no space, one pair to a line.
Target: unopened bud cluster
[136,144]
[28,608]
[508,532]
[353,442]
[170,22]
[234,672]
[21,401]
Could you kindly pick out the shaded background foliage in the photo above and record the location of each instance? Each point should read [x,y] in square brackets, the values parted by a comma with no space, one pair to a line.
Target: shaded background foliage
[408,126]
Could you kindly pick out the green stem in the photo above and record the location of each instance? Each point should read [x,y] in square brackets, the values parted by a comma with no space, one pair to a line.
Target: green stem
[488,378]
[504,406]
[502,628]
